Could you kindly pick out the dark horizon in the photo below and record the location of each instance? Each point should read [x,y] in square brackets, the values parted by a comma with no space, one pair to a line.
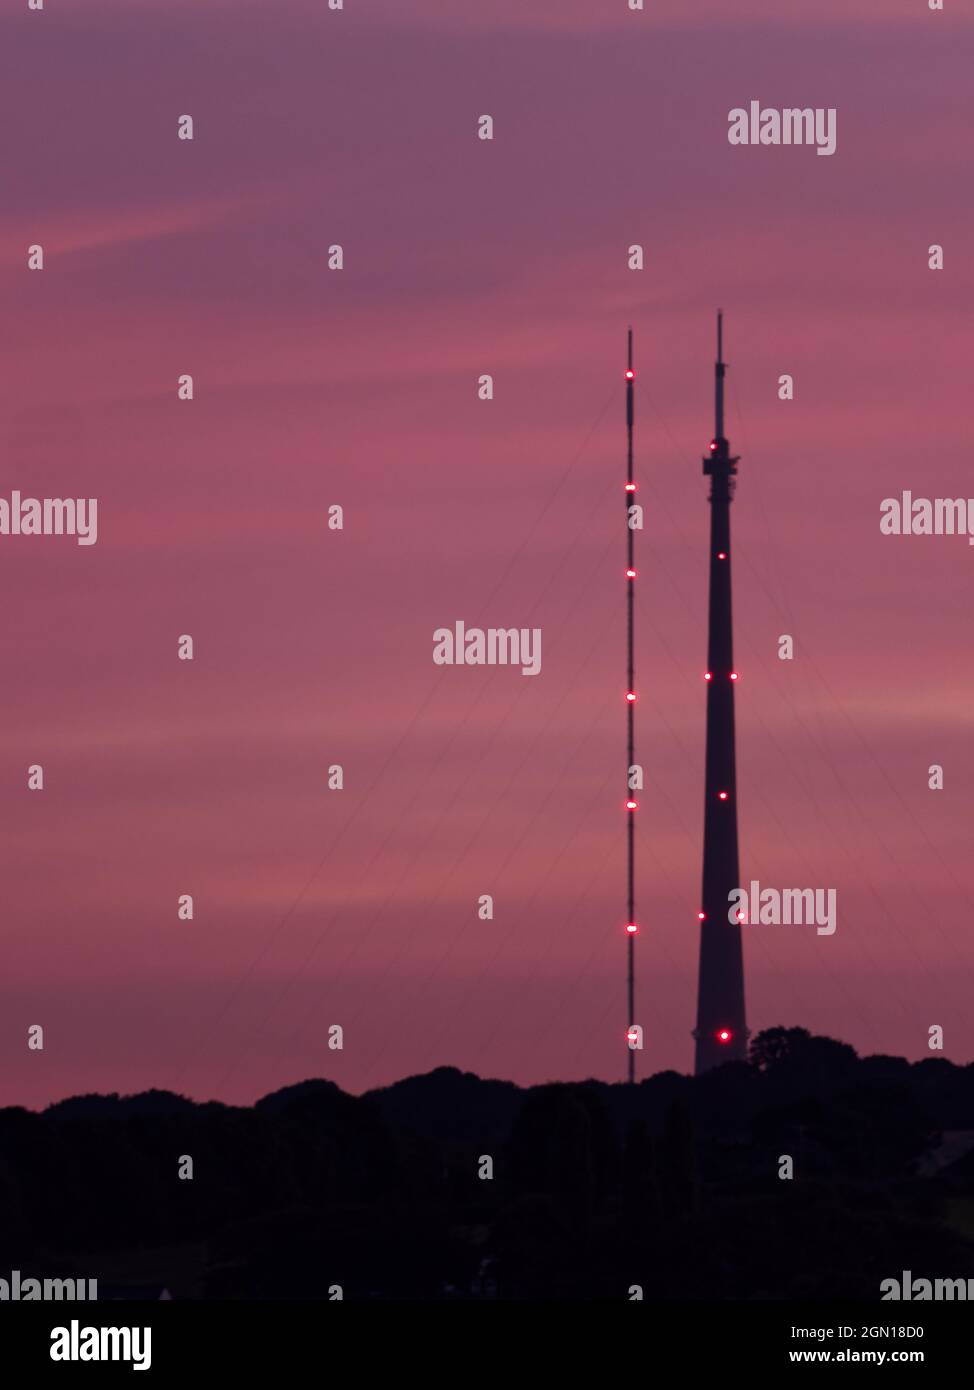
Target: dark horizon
[451,1187]
[881,1059]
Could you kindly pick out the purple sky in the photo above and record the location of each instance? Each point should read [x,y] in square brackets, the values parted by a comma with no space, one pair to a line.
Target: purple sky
[313,387]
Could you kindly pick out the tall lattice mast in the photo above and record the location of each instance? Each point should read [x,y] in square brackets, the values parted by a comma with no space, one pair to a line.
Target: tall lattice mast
[631,804]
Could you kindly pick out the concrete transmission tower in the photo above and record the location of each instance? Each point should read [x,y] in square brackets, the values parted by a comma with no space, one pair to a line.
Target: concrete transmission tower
[721,1032]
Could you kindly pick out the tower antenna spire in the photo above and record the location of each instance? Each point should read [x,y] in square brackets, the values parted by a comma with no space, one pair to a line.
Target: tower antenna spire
[719,377]
[632,927]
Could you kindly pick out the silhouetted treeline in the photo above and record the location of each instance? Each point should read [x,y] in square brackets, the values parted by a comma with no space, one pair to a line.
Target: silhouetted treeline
[673,1185]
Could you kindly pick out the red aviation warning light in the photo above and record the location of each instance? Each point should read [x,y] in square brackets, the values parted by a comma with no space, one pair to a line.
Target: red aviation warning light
[632,805]
[721,796]
[630,374]
[734,676]
[701,916]
[721,555]
[724,1035]
[630,574]
[632,928]
[633,1036]
[630,487]
[708,675]
[630,696]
